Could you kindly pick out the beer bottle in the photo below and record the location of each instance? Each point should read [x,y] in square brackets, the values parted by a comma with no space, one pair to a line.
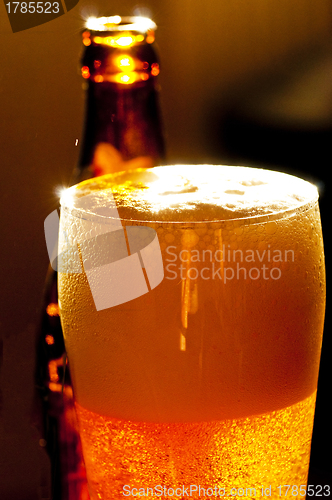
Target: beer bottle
[122,130]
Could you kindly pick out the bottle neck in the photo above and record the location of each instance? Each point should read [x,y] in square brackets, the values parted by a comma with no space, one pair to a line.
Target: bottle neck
[120,66]
[125,116]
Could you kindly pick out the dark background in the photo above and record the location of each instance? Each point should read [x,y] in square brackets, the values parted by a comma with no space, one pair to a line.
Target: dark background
[243,81]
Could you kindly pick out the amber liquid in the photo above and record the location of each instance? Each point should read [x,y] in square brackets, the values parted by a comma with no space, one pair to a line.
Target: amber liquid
[210,378]
[237,458]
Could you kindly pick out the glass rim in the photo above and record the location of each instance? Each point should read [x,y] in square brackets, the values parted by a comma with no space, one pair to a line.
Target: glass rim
[301,206]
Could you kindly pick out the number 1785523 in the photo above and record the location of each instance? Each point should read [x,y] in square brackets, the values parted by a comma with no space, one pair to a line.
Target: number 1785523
[33,7]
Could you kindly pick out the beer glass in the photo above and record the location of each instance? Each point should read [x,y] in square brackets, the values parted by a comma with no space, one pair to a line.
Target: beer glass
[192,302]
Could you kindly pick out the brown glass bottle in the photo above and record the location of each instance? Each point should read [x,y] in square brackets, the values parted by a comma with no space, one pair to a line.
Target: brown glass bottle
[122,129]
[120,66]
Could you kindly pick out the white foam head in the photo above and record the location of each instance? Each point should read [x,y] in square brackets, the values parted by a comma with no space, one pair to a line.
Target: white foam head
[191,193]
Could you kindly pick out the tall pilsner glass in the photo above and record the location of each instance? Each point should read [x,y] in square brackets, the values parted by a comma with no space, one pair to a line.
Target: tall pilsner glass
[192,301]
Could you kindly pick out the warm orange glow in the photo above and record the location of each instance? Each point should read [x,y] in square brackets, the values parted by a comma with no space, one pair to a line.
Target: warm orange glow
[125,63]
[130,77]
[119,33]
[151,37]
[64,389]
[125,78]
[98,78]
[123,40]
[49,339]
[99,39]
[53,309]
[85,72]
[128,70]
[155,69]
[54,387]
[53,370]
[86,38]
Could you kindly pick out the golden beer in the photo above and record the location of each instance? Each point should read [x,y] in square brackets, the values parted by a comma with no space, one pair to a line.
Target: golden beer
[205,383]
